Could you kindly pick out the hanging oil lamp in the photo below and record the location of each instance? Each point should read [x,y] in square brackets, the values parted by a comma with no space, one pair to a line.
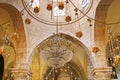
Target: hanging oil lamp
[117,60]
[79,34]
[49,6]
[95,49]
[68,18]
[61,5]
[36,9]
[27,21]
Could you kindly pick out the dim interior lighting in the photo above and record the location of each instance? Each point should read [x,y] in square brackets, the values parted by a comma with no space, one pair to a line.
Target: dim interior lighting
[114,47]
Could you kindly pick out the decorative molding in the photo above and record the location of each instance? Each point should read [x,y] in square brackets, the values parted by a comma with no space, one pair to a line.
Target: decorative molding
[102,73]
[20,74]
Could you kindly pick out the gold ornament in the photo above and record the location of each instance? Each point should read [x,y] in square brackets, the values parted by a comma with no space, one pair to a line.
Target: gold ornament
[36,9]
[61,5]
[117,60]
[68,19]
[79,34]
[95,49]
[27,21]
[49,6]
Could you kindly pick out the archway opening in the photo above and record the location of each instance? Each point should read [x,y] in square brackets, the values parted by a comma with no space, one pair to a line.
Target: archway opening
[12,38]
[40,68]
[113,18]
[107,15]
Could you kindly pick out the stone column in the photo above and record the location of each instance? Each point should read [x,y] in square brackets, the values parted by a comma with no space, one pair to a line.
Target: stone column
[102,73]
[20,74]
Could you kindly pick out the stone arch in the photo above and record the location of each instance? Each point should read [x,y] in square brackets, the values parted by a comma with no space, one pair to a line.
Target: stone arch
[100,29]
[100,17]
[100,25]
[68,37]
[19,42]
[72,39]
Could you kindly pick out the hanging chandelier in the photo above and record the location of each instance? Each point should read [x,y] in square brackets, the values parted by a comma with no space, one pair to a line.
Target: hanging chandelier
[64,73]
[113,48]
[45,11]
[57,51]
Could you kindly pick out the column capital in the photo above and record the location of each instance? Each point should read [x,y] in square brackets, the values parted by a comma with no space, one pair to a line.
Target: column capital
[102,73]
[20,74]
